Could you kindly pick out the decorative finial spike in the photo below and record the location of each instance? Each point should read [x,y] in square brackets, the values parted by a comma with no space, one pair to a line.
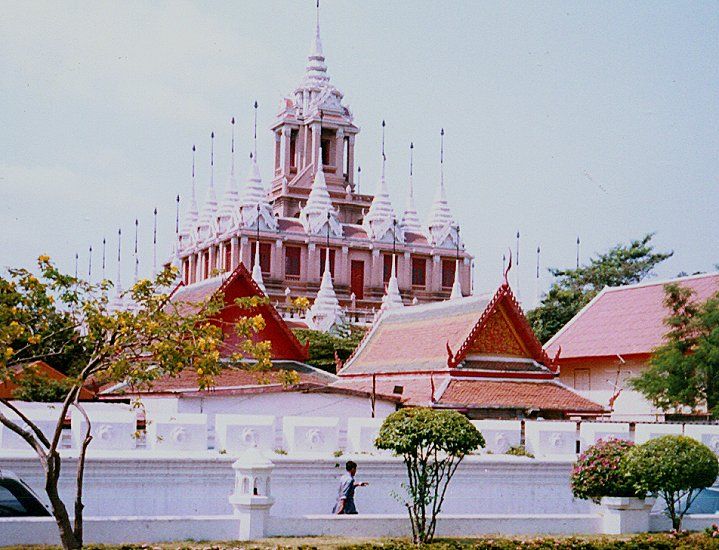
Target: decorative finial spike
[411,157]
[255,131]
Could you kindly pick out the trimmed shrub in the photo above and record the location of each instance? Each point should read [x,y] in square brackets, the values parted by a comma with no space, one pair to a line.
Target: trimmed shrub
[597,473]
[673,467]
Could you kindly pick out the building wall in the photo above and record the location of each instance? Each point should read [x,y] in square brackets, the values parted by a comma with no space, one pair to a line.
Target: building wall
[603,378]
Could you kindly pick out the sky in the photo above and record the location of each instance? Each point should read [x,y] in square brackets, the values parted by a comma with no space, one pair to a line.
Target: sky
[562,119]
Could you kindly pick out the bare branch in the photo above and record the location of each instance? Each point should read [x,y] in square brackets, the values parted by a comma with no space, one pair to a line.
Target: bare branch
[38,433]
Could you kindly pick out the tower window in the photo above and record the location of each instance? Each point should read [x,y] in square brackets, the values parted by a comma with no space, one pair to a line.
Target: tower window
[293,149]
[448,267]
[228,256]
[419,272]
[293,262]
[327,142]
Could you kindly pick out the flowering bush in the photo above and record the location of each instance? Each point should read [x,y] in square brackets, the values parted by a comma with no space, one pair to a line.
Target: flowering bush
[597,473]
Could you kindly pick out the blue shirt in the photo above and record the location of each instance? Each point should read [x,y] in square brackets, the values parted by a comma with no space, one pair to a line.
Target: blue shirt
[346,492]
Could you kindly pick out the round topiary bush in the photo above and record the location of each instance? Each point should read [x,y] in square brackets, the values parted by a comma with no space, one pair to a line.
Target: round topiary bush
[597,473]
[673,467]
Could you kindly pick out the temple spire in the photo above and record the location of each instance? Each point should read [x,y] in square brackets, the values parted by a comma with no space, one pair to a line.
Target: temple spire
[319,209]
[137,258]
[257,269]
[443,230]
[392,298]
[379,221]
[207,217]
[154,242]
[456,286]
[410,217]
[325,312]
[226,212]
[104,244]
[192,215]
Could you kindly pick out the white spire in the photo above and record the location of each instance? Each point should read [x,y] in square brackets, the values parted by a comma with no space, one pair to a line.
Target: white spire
[410,217]
[441,221]
[456,287]
[379,221]
[206,221]
[118,302]
[392,298]
[319,209]
[189,224]
[316,70]
[325,312]
[254,195]
[228,206]
[257,270]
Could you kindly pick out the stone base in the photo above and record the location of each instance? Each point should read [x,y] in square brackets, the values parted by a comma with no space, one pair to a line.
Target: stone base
[625,515]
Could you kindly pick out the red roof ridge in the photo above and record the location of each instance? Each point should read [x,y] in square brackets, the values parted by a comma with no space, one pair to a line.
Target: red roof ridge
[642,284]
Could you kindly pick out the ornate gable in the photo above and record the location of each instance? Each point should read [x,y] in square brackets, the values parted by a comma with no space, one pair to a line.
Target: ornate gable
[498,337]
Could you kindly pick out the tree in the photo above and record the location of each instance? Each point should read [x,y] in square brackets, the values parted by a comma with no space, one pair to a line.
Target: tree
[154,338]
[574,288]
[684,370]
[326,349]
[432,444]
[673,467]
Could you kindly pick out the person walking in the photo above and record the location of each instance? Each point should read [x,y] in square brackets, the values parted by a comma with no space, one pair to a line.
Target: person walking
[346,494]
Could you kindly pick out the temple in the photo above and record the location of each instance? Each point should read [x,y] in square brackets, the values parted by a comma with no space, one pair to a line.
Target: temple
[313,208]
[476,354]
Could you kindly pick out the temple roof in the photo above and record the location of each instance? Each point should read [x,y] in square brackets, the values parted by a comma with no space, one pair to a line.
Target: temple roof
[624,320]
[442,336]
[319,210]
[239,284]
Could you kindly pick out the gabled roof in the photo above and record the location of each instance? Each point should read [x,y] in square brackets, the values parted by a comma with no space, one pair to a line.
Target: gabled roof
[440,336]
[239,284]
[624,320]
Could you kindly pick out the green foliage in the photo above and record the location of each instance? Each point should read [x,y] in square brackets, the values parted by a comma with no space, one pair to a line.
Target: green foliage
[47,315]
[673,467]
[684,371]
[574,288]
[519,450]
[33,385]
[323,345]
[597,472]
[432,444]
[32,327]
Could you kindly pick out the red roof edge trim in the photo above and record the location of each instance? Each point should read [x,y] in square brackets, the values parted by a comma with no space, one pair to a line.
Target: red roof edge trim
[521,323]
[398,374]
[463,373]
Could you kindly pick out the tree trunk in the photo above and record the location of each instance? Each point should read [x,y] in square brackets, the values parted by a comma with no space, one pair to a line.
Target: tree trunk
[52,476]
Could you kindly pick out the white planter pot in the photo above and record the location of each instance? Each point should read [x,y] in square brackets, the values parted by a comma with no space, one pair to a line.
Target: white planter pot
[624,515]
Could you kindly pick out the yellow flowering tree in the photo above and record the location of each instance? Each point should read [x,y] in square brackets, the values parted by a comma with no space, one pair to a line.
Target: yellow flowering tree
[44,314]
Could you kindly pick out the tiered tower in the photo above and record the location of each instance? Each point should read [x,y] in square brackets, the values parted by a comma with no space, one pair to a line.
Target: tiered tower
[312,224]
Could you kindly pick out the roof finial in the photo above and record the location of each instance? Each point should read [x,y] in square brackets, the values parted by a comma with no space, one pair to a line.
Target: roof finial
[137,260]
[89,264]
[177,214]
[359,173]
[255,134]
[517,248]
[194,195]
[154,242]
[119,252]
[76,258]
[232,147]
[384,157]
[538,253]
[104,242]
[411,163]
[441,158]
[578,252]
[212,159]
[509,266]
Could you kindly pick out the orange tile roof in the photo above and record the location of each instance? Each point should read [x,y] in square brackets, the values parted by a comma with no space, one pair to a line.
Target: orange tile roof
[486,394]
